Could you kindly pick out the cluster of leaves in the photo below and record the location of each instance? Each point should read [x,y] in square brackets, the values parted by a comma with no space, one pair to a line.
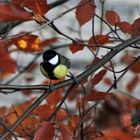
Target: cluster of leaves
[116,116]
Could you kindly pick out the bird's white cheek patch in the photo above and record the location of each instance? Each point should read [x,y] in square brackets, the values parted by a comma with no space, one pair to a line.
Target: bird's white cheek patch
[54,60]
[60,71]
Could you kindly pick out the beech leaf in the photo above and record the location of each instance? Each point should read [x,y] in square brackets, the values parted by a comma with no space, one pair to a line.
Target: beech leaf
[136,27]
[112,17]
[98,77]
[7,63]
[85,11]
[45,132]
[65,131]
[135,67]
[76,47]
[11,12]
[125,27]
[98,39]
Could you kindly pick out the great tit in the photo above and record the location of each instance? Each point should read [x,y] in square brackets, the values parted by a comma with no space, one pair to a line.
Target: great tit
[54,66]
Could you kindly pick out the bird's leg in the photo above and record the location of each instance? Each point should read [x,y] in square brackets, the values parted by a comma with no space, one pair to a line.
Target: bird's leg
[74,78]
[50,86]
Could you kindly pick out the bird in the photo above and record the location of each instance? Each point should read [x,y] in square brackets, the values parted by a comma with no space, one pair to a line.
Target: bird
[54,65]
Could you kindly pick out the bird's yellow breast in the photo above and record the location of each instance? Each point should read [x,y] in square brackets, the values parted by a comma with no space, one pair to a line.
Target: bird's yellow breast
[60,71]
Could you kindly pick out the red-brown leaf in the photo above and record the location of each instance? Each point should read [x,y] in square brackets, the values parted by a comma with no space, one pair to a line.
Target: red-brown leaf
[98,77]
[97,95]
[37,6]
[117,134]
[136,27]
[65,131]
[85,11]
[17,2]
[96,59]
[132,84]
[125,27]
[98,39]
[54,98]
[45,132]
[76,47]
[108,81]
[62,114]
[44,111]
[74,122]
[9,12]
[7,64]
[112,17]
[135,67]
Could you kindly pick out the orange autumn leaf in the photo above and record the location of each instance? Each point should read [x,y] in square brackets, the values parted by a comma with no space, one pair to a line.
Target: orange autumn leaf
[74,122]
[65,131]
[81,15]
[28,43]
[19,109]
[76,47]
[97,95]
[45,132]
[112,17]
[125,27]
[117,134]
[62,114]
[29,123]
[98,77]
[54,98]
[11,12]
[44,112]
[98,40]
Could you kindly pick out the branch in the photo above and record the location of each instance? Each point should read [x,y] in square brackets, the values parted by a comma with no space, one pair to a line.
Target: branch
[59,2]
[81,76]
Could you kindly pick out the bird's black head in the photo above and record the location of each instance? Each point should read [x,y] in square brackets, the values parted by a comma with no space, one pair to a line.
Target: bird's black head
[48,55]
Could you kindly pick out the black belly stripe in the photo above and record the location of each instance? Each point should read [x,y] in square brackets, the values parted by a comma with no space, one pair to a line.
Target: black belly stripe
[49,69]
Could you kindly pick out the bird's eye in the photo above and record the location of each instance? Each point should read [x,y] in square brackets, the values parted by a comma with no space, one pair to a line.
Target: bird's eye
[54,60]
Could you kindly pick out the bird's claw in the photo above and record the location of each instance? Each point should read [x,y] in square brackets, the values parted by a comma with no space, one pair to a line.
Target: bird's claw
[76,81]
